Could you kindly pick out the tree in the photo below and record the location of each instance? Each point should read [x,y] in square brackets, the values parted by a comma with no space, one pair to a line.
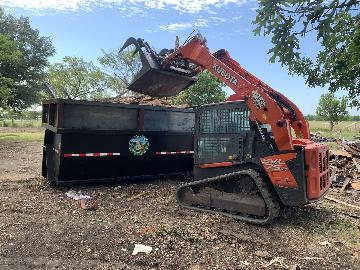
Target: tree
[25,72]
[332,109]
[355,118]
[336,26]
[310,117]
[207,90]
[9,57]
[122,66]
[75,78]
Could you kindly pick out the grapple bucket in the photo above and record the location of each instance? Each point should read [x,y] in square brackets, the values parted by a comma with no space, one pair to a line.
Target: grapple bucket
[160,83]
[152,80]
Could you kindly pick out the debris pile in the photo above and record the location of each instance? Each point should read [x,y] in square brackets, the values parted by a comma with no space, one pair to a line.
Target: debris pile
[144,100]
[345,164]
[316,137]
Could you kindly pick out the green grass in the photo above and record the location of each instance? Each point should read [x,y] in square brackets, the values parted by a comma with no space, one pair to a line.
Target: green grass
[346,129]
[340,230]
[22,136]
[21,123]
[326,222]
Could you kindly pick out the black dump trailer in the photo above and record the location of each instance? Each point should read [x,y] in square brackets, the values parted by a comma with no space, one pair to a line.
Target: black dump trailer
[96,142]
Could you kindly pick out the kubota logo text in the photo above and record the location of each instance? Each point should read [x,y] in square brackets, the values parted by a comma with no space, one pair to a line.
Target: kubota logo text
[274,165]
[225,74]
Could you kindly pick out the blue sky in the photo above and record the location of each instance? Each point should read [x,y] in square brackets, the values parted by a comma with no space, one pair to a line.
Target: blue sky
[82,28]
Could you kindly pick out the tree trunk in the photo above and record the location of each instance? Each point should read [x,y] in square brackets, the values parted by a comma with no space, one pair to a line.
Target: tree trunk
[331,125]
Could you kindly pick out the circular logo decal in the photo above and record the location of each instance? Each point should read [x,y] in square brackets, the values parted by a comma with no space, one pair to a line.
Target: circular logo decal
[138,145]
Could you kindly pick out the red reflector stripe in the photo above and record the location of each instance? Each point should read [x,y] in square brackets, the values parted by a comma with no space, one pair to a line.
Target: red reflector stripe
[174,152]
[92,155]
[215,165]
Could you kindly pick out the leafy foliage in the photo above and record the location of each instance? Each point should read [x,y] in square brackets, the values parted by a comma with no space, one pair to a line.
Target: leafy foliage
[332,109]
[122,66]
[75,78]
[23,58]
[9,58]
[207,90]
[336,26]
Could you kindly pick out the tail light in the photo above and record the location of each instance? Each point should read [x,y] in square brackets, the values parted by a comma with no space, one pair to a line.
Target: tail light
[317,172]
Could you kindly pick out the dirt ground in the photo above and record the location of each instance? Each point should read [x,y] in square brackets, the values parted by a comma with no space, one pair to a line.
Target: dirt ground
[41,228]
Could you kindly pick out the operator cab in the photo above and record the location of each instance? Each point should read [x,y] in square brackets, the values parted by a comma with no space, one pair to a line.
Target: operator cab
[224,132]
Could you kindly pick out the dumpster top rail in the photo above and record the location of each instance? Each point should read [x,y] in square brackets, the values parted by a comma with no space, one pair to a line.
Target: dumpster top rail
[63,115]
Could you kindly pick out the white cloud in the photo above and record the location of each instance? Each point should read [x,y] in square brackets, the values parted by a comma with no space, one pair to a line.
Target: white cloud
[218,19]
[48,4]
[189,6]
[201,23]
[173,27]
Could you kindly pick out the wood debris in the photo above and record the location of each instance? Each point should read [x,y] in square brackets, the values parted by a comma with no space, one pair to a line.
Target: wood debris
[341,202]
[144,100]
[89,204]
[345,165]
[316,137]
[345,184]
[136,196]
[263,254]
[356,185]
[277,260]
[341,153]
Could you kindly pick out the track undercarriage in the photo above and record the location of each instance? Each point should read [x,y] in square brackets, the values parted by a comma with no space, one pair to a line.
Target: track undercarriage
[242,195]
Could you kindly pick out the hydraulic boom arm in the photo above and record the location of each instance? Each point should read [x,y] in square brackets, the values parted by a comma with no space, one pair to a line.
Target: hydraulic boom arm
[267,105]
[171,71]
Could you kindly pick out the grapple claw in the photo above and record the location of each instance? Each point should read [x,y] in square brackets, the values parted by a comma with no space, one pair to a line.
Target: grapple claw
[153,79]
[130,41]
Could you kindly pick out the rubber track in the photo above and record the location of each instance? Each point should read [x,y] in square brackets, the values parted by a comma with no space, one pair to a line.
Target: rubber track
[271,201]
